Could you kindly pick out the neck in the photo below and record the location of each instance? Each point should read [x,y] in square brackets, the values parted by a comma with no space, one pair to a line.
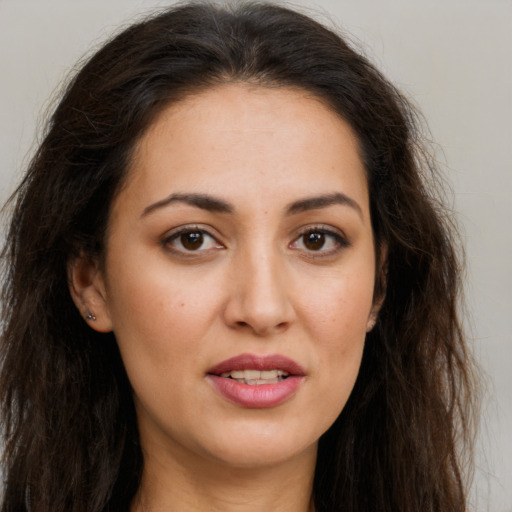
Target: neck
[172,484]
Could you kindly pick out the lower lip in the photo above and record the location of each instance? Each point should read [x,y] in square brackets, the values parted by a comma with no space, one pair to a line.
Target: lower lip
[256,396]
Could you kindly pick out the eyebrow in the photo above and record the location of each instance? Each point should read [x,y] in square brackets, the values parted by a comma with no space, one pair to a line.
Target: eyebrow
[323,201]
[203,201]
[213,204]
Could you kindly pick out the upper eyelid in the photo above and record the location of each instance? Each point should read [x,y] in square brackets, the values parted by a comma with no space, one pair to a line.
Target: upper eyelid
[324,228]
[204,228]
[190,228]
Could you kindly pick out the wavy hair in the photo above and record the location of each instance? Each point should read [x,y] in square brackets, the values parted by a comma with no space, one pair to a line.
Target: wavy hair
[68,419]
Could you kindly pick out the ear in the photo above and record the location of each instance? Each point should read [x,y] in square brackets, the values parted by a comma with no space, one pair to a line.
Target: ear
[87,289]
[381,279]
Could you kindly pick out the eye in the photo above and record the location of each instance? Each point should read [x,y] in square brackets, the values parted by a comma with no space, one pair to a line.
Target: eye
[320,240]
[191,239]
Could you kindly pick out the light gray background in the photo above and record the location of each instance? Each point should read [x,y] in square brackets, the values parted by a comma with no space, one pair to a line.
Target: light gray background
[453,57]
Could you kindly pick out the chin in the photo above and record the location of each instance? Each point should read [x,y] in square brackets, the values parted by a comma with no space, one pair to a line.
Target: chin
[260,445]
[263,457]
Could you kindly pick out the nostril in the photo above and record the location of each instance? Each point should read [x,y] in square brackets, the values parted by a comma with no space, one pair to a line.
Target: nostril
[241,325]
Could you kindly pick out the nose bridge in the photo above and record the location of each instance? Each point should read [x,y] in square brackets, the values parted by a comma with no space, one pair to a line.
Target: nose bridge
[260,298]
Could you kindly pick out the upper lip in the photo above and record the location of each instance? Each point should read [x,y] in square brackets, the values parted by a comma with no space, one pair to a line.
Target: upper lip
[258,362]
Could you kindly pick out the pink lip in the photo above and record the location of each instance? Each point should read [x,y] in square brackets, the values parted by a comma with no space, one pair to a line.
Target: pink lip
[257,396]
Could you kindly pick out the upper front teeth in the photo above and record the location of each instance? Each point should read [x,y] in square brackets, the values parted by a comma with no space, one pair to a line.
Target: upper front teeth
[256,376]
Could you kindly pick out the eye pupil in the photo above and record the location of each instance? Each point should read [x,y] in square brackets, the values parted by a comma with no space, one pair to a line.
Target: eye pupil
[314,241]
[192,241]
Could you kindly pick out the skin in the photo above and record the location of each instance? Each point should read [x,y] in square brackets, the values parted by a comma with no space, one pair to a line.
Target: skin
[255,285]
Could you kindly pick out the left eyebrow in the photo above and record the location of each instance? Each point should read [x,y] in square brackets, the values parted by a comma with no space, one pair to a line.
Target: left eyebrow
[323,201]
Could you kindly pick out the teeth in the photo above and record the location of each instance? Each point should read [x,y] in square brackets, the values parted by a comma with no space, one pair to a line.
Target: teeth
[256,377]
[252,374]
[271,374]
[256,382]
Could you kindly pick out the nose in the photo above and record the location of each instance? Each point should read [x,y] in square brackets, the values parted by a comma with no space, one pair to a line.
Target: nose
[259,299]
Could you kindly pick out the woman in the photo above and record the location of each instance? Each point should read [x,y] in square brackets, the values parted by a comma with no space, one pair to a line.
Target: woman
[230,285]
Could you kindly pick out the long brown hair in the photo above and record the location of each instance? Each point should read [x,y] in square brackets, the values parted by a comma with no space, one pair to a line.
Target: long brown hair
[69,425]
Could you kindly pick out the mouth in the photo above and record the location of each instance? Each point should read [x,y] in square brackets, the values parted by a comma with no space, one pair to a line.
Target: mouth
[252,381]
[251,367]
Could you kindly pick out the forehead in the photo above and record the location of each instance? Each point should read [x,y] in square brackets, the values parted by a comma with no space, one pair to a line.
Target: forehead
[255,140]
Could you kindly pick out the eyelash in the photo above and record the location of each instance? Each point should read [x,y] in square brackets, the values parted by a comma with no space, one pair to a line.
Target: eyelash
[338,239]
[177,234]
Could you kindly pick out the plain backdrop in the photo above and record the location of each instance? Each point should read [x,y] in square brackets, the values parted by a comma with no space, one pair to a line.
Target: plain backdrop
[452,57]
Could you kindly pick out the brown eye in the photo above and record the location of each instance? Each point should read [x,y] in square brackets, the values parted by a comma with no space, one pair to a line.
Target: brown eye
[189,240]
[323,241]
[192,240]
[314,241]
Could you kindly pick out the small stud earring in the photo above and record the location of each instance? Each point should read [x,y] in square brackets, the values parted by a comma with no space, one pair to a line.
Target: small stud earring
[90,316]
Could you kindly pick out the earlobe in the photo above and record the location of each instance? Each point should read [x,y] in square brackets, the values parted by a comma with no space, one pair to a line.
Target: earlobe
[374,313]
[379,289]
[372,320]
[87,289]
[377,305]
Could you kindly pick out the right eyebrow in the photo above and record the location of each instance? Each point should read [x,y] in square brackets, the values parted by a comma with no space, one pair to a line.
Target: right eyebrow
[203,201]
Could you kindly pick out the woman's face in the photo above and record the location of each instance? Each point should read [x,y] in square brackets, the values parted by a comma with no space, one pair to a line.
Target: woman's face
[239,275]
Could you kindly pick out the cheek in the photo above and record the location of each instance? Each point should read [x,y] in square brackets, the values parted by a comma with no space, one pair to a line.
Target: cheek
[338,312]
[158,317]
[337,319]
